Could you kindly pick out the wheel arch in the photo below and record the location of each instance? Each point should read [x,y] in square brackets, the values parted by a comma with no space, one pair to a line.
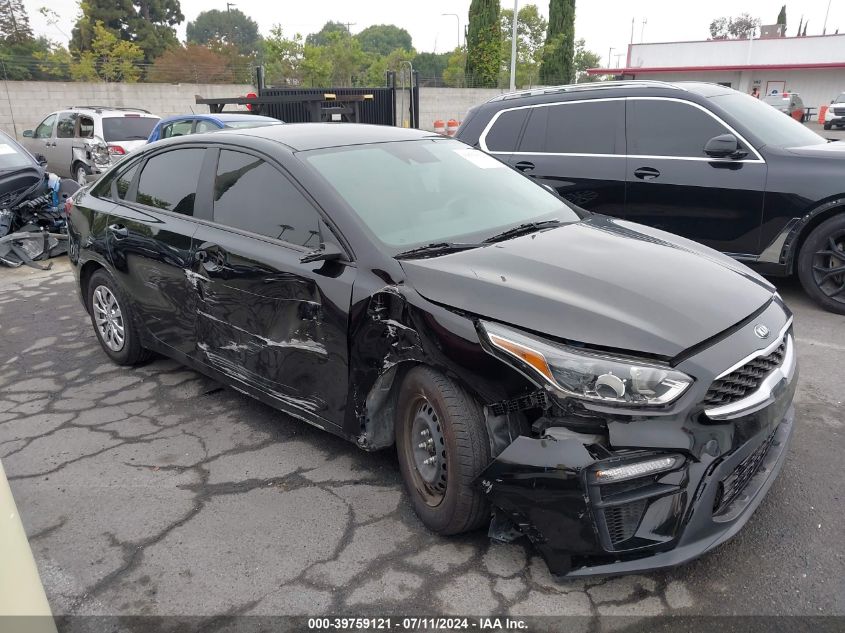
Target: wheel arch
[85,273]
[808,223]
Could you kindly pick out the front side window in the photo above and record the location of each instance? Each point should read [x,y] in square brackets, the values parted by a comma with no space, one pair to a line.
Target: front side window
[169,181]
[669,128]
[504,134]
[66,126]
[45,128]
[251,195]
[418,192]
[585,127]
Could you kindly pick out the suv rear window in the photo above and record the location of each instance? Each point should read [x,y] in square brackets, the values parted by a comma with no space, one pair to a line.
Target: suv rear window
[128,128]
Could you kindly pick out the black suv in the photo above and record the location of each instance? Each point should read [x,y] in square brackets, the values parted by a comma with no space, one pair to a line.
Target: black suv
[697,159]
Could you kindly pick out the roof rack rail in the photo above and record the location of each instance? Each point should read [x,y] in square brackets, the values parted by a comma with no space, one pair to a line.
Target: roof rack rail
[598,85]
[105,107]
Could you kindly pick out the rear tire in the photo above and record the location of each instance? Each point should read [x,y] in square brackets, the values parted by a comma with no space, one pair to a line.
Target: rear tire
[113,320]
[821,264]
[435,411]
[81,171]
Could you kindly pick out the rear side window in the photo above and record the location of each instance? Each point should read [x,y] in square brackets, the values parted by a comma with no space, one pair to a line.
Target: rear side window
[177,128]
[504,134]
[66,125]
[169,181]
[124,181]
[669,128]
[86,127]
[576,128]
[251,195]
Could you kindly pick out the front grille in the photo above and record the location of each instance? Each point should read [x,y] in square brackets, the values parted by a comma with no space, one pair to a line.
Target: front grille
[733,485]
[623,520]
[535,400]
[839,111]
[745,380]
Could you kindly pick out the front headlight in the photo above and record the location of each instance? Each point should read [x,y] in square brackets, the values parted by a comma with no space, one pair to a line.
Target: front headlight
[588,375]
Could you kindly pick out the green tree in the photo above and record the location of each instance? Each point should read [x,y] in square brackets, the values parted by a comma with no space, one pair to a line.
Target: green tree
[346,58]
[316,67]
[21,58]
[191,63]
[14,22]
[232,27]
[282,58]
[530,34]
[740,27]
[431,66]
[484,43]
[321,37]
[559,52]
[145,23]
[782,18]
[455,73]
[584,60]
[376,72]
[108,59]
[383,39]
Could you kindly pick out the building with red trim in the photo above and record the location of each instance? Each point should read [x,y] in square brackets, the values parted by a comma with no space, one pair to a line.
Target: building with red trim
[812,66]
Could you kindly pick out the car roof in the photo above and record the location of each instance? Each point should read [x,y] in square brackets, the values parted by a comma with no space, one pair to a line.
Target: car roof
[613,88]
[109,109]
[307,136]
[220,118]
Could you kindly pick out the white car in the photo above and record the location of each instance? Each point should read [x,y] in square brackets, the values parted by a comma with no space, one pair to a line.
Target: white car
[835,116]
[83,141]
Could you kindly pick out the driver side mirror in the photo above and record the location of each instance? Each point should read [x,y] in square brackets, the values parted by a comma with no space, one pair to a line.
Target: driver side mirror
[328,251]
[28,133]
[41,160]
[724,146]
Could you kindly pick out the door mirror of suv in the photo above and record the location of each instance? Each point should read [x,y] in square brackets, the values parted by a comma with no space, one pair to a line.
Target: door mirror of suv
[724,146]
[328,251]
[28,133]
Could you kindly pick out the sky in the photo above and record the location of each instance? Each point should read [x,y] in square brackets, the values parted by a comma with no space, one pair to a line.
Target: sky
[603,24]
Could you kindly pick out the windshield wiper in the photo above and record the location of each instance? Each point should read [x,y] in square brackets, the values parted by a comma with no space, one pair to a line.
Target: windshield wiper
[523,229]
[437,248]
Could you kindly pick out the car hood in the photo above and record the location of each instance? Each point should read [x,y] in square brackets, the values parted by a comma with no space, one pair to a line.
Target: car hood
[822,150]
[602,282]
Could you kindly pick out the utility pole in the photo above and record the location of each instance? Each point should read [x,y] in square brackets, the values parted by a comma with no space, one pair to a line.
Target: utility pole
[618,55]
[642,30]
[348,24]
[632,30]
[513,45]
[610,57]
[229,6]
[458,18]
[826,13]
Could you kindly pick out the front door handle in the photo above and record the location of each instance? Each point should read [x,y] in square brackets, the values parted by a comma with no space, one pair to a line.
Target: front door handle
[524,166]
[646,173]
[119,231]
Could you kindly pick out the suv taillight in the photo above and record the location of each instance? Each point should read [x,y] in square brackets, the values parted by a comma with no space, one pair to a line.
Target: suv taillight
[117,150]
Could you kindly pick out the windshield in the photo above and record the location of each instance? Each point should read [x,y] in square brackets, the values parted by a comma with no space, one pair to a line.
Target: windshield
[128,128]
[12,156]
[840,98]
[776,100]
[769,125]
[419,192]
[245,124]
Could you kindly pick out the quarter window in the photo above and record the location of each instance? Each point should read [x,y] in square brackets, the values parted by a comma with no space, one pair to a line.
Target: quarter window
[45,128]
[584,127]
[252,195]
[66,125]
[169,181]
[504,134]
[124,181]
[669,128]
[205,126]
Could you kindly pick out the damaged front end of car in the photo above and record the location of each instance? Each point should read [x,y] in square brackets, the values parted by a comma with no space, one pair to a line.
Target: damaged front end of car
[631,465]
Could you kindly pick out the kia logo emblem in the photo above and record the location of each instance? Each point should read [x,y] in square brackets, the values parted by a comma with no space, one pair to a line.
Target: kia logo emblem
[761,331]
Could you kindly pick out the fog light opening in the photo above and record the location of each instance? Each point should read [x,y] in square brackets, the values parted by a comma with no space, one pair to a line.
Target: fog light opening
[636,469]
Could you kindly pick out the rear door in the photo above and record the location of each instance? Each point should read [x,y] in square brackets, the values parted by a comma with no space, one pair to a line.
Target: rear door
[673,185]
[576,147]
[265,319]
[149,237]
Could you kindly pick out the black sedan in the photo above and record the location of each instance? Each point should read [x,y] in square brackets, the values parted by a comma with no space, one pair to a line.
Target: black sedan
[620,396]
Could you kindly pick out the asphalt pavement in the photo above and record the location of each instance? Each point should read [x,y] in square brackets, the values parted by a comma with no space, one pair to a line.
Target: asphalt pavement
[155,491]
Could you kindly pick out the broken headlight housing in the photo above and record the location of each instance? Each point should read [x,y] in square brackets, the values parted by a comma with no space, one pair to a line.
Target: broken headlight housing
[587,375]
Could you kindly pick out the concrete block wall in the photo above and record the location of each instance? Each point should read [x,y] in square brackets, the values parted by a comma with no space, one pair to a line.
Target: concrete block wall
[24,104]
[450,103]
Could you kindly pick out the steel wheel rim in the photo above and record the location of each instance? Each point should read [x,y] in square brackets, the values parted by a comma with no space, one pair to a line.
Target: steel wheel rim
[829,267]
[108,318]
[426,449]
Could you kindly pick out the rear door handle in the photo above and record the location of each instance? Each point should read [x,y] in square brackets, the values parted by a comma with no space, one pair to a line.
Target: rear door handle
[646,173]
[119,231]
[524,165]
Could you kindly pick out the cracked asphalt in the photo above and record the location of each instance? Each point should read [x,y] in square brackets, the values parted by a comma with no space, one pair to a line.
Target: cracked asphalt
[155,491]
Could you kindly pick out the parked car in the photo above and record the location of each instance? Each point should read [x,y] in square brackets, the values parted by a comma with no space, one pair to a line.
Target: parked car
[70,139]
[186,124]
[835,116]
[699,160]
[789,103]
[619,395]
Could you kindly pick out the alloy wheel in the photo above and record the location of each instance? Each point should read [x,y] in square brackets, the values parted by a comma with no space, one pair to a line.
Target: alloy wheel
[109,318]
[428,451]
[829,267]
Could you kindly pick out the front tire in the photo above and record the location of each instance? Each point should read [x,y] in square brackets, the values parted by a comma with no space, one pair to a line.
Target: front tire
[112,318]
[821,264]
[442,444]
[827,126]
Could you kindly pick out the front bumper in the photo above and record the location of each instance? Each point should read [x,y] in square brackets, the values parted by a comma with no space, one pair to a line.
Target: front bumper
[549,489]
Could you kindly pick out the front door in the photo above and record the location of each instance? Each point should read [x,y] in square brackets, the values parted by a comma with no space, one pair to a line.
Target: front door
[673,185]
[43,138]
[149,237]
[264,318]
